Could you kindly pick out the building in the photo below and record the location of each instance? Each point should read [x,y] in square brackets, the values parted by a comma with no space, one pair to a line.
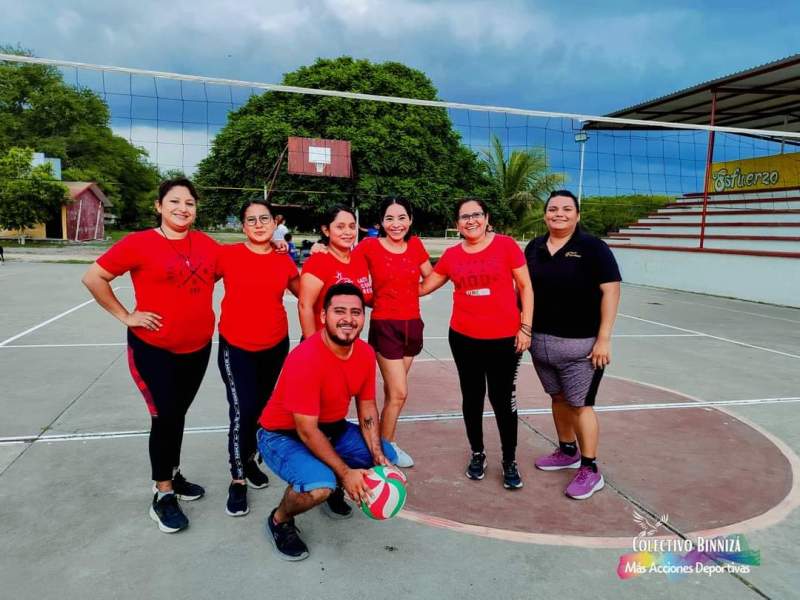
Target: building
[81,219]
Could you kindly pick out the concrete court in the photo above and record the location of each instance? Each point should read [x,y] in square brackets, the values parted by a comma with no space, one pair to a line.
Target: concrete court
[73,512]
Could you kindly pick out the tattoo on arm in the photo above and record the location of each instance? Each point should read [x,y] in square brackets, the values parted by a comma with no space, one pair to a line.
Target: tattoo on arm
[368,423]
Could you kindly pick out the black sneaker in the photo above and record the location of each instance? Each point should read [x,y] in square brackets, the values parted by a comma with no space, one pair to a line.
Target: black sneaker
[477,466]
[284,538]
[185,490]
[256,478]
[168,514]
[237,500]
[511,478]
[336,507]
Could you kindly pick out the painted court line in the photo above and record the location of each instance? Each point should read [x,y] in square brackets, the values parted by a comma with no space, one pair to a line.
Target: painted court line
[82,437]
[714,337]
[106,344]
[50,320]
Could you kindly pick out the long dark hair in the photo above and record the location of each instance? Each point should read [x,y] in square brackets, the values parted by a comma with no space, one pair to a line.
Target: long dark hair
[329,216]
[400,202]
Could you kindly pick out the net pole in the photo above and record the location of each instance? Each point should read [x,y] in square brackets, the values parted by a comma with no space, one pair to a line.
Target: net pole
[709,158]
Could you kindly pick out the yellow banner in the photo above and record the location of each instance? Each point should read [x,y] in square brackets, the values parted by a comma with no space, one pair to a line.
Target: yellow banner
[754,174]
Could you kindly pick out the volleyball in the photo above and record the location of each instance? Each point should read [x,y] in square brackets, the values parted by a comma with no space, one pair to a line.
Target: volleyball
[387,492]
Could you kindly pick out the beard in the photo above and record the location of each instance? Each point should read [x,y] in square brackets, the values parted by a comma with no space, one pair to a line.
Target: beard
[334,336]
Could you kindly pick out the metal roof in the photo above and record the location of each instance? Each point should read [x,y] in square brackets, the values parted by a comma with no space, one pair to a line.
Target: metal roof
[76,188]
[763,97]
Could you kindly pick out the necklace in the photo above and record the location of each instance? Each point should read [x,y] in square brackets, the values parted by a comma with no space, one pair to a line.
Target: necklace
[186,258]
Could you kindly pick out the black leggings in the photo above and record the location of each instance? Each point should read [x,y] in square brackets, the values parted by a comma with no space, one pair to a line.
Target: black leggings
[493,362]
[169,383]
[249,379]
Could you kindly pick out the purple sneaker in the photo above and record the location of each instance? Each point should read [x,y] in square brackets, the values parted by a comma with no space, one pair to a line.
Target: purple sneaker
[585,483]
[558,460]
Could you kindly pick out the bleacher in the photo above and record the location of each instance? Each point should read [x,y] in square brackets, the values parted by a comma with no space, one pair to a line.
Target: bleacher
[751,246]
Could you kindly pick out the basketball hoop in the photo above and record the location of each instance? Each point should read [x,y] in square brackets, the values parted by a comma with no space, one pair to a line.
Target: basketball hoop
[319,157]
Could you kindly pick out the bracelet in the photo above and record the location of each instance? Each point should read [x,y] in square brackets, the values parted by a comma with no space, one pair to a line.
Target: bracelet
[525,328]
[525,333]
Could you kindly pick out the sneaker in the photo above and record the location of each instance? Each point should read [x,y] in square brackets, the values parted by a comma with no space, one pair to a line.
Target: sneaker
[255,477]
[511,478]
[585,483]
[284,538]
[336,507]
[168,514]
[185,490]
[237,500]
[477,466]
[558,460]
[403,459]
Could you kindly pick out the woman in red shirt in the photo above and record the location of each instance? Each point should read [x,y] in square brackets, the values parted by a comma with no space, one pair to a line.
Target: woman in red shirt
[169,332]
[337,265]
[488,331]
[396,261]
[253,340]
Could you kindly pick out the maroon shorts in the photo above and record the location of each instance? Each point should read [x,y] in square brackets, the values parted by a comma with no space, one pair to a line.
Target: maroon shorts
[394,339]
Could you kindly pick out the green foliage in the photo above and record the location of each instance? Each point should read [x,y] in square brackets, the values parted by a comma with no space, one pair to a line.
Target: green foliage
[521,181]
[28,195]
[409,151]
[603,214]
[38,110]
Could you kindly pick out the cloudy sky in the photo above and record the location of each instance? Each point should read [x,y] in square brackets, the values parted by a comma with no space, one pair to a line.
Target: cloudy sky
[569,56]
[577,56]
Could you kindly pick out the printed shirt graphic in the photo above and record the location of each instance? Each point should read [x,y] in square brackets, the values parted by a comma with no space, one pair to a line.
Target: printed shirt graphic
[395,278]
[165,284]
[484,300]
[253,316]
[315,382]
[330,270]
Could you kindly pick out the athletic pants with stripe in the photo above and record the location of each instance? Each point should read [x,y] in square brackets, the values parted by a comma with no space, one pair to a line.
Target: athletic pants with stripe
[169,383]
[491,364]
[249,379]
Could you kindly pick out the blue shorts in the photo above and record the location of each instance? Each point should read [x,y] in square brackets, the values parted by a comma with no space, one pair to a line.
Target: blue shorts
[291,460]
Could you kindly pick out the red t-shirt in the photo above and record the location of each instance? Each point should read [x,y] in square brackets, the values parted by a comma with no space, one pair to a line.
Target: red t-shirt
[484,300]
[172,278]
[253,317]
[330,270]
[395,278]
[316,382]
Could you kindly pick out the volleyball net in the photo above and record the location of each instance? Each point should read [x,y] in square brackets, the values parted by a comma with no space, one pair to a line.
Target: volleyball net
[623,168]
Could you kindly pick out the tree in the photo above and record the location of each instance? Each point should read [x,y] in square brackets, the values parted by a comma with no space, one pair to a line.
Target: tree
[522,182]
[28,195]
[38,110]
[410,151]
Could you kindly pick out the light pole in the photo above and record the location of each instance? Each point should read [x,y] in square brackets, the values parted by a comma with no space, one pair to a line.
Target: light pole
[581,137]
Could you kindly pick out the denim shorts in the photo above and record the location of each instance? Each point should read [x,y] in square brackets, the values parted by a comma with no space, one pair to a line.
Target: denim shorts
[291,460]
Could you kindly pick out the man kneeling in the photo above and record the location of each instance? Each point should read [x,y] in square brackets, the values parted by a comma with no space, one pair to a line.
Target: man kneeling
[304,437]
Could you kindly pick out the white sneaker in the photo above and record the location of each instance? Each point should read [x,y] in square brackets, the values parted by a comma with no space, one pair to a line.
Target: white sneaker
[403,459]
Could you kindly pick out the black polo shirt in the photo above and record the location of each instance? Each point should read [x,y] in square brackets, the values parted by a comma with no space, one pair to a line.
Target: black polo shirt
[566,285]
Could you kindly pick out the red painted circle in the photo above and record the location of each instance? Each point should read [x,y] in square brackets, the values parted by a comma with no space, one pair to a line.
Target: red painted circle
[701,466]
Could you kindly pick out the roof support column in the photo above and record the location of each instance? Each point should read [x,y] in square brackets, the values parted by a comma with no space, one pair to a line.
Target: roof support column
[709,160]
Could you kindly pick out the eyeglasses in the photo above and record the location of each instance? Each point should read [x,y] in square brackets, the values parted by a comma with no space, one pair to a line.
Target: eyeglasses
[263,219]
[471,216]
